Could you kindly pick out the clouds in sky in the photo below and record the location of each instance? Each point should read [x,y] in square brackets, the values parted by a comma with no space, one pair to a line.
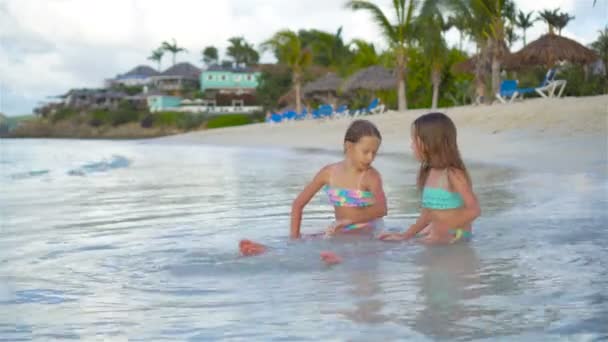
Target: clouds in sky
[48,47]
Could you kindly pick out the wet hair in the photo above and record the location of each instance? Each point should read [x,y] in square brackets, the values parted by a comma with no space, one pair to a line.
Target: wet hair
[435,135]
[359,129]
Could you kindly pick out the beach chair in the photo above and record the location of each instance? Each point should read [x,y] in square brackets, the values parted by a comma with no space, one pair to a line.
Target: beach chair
[550,84]
[289,115]
[509,91]
[326,111]
[373,106]
[316,114]
[276,118]
[341,112]
[302,115]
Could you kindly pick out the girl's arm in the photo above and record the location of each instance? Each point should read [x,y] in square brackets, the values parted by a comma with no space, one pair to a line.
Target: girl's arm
[423,220]
[379,208]
[469,212]
[304,197]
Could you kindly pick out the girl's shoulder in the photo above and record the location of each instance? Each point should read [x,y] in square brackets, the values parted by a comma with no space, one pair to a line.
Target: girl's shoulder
[329,167]
[371,177]
[445,177]
[328,171]
[373,172]
[457,177]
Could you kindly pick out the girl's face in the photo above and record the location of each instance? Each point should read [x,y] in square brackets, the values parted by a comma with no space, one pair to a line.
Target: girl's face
[363,152]
[415,144]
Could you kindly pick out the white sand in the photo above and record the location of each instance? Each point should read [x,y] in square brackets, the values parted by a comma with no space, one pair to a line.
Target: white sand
[554,135]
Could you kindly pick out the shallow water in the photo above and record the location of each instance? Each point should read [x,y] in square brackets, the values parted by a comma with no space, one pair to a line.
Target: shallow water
[114,240]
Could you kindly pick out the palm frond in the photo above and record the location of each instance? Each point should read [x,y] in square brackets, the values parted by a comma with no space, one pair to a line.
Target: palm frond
[377,15]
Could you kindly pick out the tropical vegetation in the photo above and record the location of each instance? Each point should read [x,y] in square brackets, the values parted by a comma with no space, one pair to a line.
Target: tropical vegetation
[425,66]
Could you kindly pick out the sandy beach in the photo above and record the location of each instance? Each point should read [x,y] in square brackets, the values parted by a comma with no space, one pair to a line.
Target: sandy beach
[553,135]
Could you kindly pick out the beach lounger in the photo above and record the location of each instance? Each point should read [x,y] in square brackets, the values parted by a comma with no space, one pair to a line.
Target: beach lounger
[341,112]
[326,111]
[276,118]
[549,85]
[509,91]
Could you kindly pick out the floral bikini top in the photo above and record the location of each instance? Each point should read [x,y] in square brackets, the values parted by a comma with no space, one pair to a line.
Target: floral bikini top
[343,197]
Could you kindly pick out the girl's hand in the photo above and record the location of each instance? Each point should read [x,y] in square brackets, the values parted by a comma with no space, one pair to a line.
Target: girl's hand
[391,237]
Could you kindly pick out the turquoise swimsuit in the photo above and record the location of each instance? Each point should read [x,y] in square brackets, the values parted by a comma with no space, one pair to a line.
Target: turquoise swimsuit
[436,198]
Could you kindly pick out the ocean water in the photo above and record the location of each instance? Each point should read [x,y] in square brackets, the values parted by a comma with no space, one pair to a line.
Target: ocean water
[123,240]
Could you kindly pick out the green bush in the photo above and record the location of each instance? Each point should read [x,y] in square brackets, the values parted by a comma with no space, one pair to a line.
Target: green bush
[120,117]
[167,119]
[147,121]
[580,84]
[98,117]
[190,121]
[229,120]
[63,113]
[258,116]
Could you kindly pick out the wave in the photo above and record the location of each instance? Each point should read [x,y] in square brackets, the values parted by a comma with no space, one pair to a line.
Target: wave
[115,162]
[29,174]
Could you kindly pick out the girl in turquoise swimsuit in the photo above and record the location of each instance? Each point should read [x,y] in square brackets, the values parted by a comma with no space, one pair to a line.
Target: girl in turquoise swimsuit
[449,205]
[353,186]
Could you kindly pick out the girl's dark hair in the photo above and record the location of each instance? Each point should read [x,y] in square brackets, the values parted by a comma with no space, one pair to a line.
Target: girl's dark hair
[437,135]
[359,129]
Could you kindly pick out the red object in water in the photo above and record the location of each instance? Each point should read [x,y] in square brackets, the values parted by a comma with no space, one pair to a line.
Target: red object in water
[330,258]
[250,248]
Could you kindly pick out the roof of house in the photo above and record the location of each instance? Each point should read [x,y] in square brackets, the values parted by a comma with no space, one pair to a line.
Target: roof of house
[230,69]
[184,69]
[139,71]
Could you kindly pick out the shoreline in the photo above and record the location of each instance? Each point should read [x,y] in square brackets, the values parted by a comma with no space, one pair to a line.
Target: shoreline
[545,135]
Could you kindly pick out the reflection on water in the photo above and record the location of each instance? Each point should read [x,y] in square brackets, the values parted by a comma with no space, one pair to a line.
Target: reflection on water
[142,245]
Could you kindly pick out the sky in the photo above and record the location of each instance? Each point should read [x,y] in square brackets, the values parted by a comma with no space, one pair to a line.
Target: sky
[50,46]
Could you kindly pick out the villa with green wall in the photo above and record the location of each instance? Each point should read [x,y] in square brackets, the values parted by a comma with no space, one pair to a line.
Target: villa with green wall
[229,80]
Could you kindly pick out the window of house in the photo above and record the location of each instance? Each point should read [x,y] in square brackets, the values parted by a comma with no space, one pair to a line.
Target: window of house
[248,77]
[223,77]
[210,77]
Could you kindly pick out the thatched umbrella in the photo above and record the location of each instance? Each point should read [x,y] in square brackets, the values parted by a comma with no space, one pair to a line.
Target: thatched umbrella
[550,49]
[372,78]
[469,65]
[289,99]
[325,88]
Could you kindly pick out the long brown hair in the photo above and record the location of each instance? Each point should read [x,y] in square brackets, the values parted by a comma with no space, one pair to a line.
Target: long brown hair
[435,136]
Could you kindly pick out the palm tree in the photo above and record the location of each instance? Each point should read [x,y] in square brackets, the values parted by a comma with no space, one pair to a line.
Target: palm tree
[210,55]
[364,54]
[397,35]
[601,47]
[509,11]
[289,50]
[328,49]
[486,24]
[550,17]
[461,24]
[561,21]
[173,48]
[242,52]
[524,21]
[157,56]
[429,27]
[510,36]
